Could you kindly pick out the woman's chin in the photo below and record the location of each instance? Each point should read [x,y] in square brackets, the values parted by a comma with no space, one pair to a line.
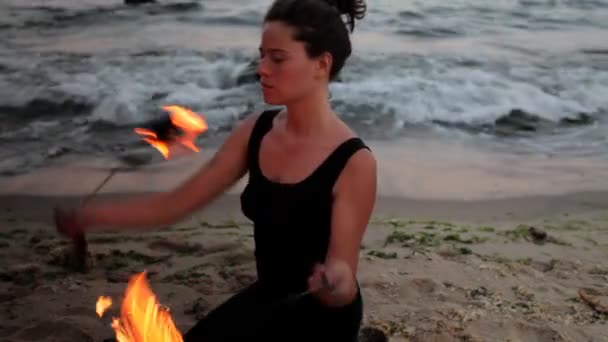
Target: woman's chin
[270,100]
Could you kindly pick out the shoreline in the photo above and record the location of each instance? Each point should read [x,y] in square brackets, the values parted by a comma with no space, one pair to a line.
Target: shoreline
[529,207]
[407,168]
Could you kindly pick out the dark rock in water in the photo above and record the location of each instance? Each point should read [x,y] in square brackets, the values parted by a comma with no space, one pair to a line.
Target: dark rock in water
[581,119]
[484,128]
[519,120]
[370,334]
[249,75]
[57,151]
[595,51]
[139,2]
[159,95]
[46,108]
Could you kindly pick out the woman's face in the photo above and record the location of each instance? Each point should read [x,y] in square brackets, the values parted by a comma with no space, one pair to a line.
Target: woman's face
[286,72]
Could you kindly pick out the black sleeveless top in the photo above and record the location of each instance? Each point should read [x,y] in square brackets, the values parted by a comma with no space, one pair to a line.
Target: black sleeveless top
[292,221]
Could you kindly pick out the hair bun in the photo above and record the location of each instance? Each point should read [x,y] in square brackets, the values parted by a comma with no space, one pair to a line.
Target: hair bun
[353,9]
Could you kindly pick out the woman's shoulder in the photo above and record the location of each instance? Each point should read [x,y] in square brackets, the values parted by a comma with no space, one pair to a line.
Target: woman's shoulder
[361,161]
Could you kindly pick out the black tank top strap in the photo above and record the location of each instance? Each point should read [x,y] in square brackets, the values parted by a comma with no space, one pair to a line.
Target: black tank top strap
[262,125]
[331,169]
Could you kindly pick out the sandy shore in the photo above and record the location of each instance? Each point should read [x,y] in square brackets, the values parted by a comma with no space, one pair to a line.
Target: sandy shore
[463,246]
[432,270]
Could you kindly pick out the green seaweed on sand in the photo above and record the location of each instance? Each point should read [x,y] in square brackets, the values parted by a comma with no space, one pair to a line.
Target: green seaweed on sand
[178,247]
[396,223]
[520,232]
[11,234]
[460,239]
[184,229]
[139,257]
[402,222]
[497,258]
[382,254]
[55,275]
[191,276]
[465,251]
[227,224]
[428,239]
[102,239]
[398,236]
[487,229]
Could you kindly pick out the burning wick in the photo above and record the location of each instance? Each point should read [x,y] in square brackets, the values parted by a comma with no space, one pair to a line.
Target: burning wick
[142,318]
[182,119]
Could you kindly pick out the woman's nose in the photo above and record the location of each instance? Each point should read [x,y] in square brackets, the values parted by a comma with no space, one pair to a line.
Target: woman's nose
[262,68]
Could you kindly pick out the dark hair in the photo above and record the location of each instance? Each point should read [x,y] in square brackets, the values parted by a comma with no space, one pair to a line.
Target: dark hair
[320,25]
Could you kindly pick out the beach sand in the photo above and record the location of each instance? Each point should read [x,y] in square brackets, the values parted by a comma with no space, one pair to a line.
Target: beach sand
[494,266]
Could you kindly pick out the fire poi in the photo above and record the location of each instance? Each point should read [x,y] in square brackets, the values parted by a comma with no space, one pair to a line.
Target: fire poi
[190,123]
[142,318]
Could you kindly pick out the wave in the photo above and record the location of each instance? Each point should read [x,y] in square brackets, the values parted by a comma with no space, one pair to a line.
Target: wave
[58,104]
[474,17]
[123,90]
[36,17]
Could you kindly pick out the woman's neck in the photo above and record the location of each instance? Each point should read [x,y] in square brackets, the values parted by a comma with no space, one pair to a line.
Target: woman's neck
[309,115]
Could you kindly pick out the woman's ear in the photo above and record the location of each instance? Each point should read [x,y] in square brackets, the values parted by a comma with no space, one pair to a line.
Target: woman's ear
[324,63]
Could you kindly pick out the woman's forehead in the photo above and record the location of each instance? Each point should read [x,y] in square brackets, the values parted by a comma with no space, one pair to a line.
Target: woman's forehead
[278,36]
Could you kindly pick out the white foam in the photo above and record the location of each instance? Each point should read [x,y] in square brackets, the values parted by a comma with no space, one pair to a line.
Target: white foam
[455,93]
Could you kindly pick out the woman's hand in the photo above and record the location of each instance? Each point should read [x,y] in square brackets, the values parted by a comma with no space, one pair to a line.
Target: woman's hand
[333,283]
[68,224]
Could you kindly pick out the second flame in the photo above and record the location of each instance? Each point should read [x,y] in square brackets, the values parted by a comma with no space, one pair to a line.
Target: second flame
[190,123]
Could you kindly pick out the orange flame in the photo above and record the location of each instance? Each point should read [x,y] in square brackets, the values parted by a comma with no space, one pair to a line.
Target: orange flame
[142,318]
[103,303]
[191,123]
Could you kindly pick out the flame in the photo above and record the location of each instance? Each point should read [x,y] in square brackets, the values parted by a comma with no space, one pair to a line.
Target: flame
[103,303]
[142,318]
[191,123]
[152,139]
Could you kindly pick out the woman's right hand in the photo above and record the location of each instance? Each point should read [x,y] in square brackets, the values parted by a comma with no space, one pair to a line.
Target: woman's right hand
[68,224]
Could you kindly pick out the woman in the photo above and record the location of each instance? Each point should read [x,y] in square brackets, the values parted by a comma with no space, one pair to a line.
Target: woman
[311,189]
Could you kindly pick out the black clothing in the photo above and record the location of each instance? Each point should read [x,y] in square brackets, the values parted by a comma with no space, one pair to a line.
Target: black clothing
[292,224]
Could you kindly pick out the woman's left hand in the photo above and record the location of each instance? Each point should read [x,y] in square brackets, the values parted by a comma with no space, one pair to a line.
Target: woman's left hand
[333,283]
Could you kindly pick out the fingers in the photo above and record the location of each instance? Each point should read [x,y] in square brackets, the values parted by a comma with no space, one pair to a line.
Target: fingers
[324,278]
[66,224]
[315,281]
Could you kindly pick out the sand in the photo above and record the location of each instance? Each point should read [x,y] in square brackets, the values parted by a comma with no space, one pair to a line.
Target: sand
[430,270]
[467,253]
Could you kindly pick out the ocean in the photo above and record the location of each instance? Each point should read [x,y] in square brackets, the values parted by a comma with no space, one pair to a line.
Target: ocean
[505,76]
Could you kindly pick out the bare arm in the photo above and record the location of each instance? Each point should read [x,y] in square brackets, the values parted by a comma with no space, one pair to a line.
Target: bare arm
[225,168]
[355,197]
